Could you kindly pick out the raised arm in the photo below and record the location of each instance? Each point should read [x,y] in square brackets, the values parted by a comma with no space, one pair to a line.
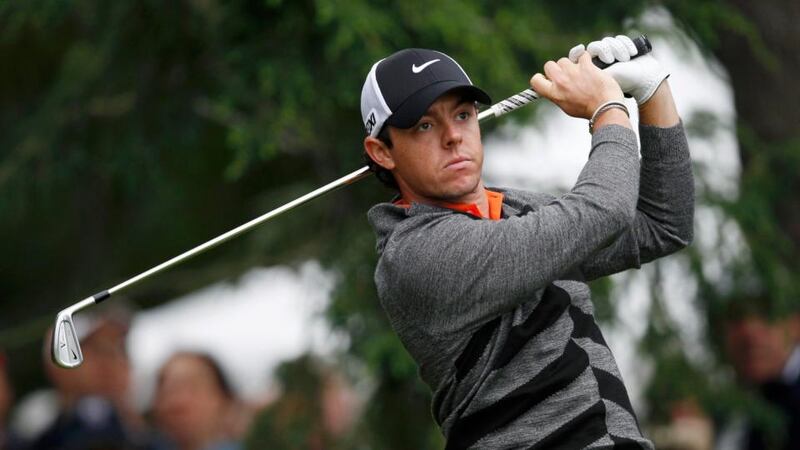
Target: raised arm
[468,269]
[665,209]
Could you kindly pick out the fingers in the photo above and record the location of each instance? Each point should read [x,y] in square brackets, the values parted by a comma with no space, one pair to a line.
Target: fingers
[576,52]
[557,75]
[542,85]
[612,49]
[601,51]
[618,49]
[552,70]
[586,59]
[559,70]
[629,45]
[565,63]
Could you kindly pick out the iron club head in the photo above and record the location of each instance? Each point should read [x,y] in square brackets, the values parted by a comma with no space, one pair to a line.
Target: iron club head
[66,347]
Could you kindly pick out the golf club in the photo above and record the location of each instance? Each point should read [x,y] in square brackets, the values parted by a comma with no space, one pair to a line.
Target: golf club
[66,350]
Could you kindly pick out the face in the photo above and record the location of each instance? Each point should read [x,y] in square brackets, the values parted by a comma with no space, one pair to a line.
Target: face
[189,404]
[107,359]
[758,348]
[440,158]
[106,369]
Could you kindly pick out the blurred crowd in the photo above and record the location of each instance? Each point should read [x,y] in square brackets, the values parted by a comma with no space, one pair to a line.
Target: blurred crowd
[195,407]
[764,353]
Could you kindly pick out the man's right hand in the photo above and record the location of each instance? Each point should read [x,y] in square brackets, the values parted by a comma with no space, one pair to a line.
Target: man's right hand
[577,88]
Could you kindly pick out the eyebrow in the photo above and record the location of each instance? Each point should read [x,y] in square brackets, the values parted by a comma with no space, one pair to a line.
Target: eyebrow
[464,99]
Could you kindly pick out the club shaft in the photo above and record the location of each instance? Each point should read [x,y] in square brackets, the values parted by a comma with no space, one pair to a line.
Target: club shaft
[503,107]
[341,182]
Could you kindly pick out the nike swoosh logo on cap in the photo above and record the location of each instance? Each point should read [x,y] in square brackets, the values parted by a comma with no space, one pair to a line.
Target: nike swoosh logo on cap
[419,69]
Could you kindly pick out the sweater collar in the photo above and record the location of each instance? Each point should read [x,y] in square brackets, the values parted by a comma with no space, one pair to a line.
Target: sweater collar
[495,201]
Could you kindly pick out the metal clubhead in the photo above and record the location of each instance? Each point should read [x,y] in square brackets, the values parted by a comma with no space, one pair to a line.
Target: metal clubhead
[66,347]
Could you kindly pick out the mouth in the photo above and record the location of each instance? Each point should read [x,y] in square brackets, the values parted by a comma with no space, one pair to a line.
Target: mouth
[458,163]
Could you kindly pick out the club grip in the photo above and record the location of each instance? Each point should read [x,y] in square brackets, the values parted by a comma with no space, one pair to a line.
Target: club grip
[643,47]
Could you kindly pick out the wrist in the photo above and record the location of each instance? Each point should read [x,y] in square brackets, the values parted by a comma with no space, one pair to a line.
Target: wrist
[607,92]
[613,112]
[615,95]
[659,110]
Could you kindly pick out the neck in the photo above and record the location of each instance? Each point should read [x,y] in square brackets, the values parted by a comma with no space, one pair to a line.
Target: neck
[477,197]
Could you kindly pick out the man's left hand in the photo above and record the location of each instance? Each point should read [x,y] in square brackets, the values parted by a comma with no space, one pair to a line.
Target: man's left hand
[638,77]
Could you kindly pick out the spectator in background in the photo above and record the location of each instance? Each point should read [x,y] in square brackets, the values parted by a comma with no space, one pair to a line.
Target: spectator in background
[765,354]
[195,406]
[7,441]
[316,410]
[688,428]
[95,408]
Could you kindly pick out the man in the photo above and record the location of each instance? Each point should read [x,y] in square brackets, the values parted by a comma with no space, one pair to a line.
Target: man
[486,288]
[765,353]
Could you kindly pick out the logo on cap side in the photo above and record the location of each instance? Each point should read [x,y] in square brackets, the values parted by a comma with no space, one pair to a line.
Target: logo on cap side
[419,69]
[371,121]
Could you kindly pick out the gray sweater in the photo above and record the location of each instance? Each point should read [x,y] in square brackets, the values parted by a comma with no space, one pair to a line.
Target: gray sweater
[497,314]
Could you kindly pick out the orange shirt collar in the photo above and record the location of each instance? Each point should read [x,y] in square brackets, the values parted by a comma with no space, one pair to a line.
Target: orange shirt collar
[495,200]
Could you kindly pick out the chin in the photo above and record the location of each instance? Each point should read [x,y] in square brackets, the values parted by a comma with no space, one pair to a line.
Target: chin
[459,190]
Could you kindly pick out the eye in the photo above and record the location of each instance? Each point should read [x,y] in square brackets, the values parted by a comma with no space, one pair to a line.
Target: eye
[464,115]
[424,126]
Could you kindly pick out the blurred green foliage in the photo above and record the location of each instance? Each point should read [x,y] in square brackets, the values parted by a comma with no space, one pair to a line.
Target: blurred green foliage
[296,419]
[133,130]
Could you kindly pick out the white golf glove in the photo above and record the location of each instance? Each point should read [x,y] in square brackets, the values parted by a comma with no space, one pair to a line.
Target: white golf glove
[638,77]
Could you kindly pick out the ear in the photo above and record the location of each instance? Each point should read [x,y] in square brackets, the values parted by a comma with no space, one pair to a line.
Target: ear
[379,152]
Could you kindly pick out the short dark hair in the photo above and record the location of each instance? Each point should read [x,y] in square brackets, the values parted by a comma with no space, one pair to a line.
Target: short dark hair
[384,175]
[217,373]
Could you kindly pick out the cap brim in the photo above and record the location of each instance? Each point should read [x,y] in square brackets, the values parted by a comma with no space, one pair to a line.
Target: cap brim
[415,106]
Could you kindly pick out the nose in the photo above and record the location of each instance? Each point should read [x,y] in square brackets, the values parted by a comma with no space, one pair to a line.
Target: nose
[451,135]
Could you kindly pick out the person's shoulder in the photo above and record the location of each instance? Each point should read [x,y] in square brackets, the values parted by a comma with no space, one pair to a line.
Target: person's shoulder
[384,218]
[421,226]
[385,211]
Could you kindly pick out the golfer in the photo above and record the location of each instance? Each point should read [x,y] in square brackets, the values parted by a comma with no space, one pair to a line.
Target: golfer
[486,287]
